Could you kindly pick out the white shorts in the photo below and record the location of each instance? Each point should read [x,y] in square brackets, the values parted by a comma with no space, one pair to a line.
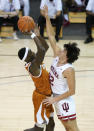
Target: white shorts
[65,109]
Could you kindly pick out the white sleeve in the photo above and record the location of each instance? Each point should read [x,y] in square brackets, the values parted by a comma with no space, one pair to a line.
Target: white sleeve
[17,5]
[2,4]
[59,5]
[78,2]
[90,5]
[43,2]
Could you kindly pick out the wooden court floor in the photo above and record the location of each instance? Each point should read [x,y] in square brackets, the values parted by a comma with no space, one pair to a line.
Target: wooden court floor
[16,87]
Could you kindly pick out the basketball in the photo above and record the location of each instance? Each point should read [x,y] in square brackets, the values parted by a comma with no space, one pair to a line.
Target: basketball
[26,24]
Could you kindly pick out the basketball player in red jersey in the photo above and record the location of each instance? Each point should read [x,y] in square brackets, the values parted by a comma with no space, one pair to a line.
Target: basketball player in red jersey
[43,115]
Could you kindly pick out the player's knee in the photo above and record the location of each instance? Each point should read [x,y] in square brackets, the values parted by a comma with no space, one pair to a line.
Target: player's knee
[75,128]
[68,128]
[71,128]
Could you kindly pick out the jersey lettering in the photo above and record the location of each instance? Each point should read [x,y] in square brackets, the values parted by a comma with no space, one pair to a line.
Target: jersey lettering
[51,79]
[54,71]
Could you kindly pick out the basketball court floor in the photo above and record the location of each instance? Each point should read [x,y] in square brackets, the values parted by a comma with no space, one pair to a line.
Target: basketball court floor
[16,87]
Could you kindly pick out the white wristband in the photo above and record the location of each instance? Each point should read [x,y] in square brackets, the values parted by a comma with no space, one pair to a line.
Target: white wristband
[33,35]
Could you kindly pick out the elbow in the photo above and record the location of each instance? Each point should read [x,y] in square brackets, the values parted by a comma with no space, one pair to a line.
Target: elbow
[72,92]
[44,50]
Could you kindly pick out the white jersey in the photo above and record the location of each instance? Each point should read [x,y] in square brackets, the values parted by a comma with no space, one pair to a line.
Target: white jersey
[90,6]
[65,109]
[53,6]
[7,6]
[58,82]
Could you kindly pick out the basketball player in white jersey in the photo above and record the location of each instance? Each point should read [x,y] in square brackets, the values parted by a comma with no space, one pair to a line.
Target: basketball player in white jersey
[62,78]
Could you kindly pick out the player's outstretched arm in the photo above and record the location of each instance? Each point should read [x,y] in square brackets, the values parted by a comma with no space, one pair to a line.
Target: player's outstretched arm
[42,48]
[42,42]
[50,32]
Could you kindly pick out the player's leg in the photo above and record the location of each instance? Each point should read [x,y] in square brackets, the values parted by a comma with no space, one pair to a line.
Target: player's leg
[51,124]
[70,125]
[50,114]
[39,122]
[42,114]
[65,110]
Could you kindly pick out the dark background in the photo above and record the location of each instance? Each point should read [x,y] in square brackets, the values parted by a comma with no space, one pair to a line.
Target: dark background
[73,31]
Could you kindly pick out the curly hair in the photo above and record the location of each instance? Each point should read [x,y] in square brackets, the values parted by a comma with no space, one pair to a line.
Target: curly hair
[72,52]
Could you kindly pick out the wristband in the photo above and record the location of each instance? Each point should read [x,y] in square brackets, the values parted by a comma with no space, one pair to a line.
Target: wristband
[33,35]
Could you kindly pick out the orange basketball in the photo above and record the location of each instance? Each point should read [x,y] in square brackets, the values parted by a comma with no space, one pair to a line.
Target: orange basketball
[26,24]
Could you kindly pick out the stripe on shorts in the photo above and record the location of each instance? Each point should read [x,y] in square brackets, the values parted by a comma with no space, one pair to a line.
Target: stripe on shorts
[70,117]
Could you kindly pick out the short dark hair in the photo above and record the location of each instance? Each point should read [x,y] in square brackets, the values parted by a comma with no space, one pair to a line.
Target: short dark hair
[72,52]
[21,53]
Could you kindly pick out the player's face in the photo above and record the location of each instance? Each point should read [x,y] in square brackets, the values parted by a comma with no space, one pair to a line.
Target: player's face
[63,54]
[30,57]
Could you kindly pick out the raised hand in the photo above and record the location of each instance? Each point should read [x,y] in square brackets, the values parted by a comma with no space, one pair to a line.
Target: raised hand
[35,30]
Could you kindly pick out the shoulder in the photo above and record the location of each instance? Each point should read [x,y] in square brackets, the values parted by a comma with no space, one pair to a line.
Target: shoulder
[69,72]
